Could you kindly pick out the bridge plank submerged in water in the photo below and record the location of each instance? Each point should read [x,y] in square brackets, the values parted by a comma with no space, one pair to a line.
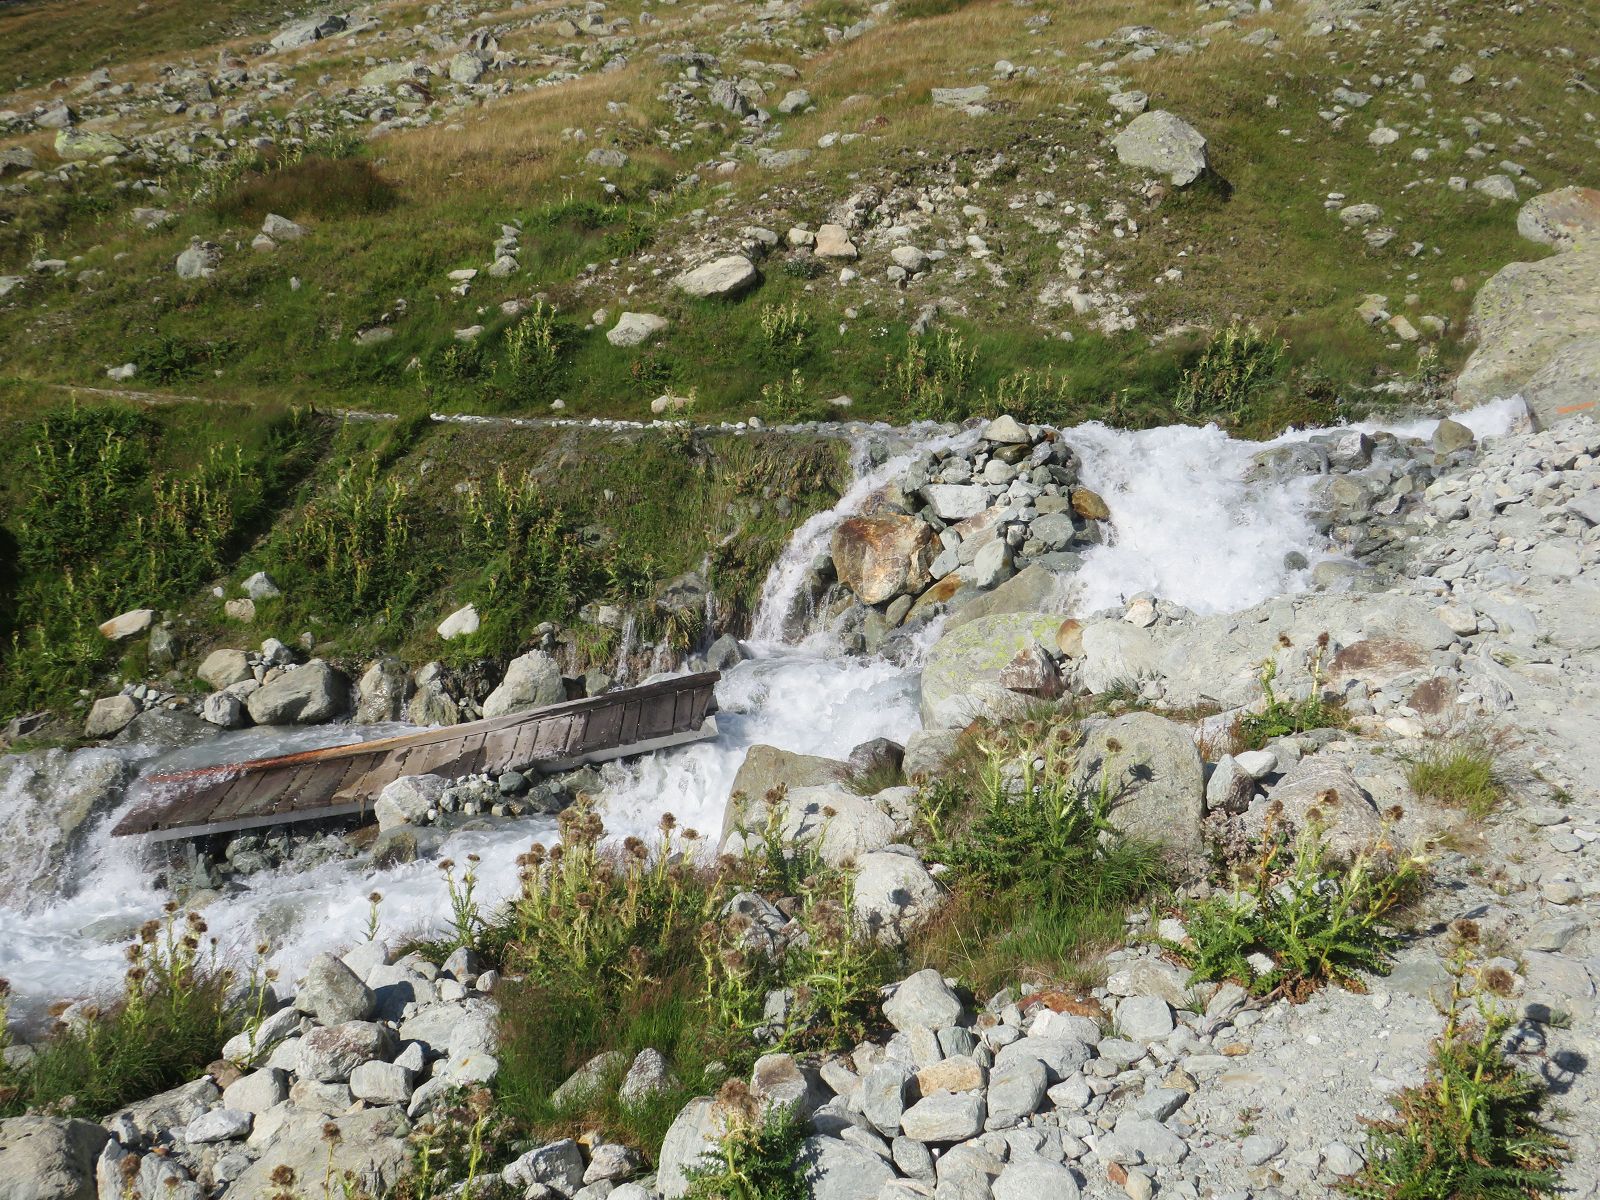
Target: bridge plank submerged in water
[344,780]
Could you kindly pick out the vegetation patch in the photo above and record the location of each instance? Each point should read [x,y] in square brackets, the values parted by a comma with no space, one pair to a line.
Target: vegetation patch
[1463,771]
[178,1006]
[1474,1126]
[1301,918]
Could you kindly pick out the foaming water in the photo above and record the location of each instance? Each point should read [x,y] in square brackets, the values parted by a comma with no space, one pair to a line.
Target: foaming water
[776,614]
[1187,526]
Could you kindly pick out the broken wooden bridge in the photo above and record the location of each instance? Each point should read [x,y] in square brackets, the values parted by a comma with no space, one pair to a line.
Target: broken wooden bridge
[342,781]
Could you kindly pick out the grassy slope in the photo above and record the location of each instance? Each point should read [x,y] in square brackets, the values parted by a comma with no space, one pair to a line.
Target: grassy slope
[1266,250]
[724,506]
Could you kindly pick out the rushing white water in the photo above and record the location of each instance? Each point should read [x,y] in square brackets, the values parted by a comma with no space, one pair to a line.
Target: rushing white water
[1188,527]
[775,615]
[1184,525]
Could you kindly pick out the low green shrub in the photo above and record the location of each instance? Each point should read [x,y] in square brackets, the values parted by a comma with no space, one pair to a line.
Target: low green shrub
[785,330]
[1039,879]
[791,401]
[1315,919]
[1234,366]
[323,178]
[1282,716]
[933,380]
[1473,1127]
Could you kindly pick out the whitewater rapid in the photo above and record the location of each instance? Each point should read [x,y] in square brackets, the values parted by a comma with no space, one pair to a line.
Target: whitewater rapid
[1185,525]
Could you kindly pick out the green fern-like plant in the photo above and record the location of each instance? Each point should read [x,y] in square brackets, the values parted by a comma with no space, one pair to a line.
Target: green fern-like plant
[758,1158]
[1316,919]
[1473,1127]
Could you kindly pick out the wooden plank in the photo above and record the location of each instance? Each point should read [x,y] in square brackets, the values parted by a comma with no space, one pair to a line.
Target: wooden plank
[344,779]
[604,729]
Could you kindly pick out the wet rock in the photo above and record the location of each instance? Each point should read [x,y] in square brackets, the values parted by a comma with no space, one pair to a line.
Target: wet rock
[879,558]
[1523,316]
[961,677]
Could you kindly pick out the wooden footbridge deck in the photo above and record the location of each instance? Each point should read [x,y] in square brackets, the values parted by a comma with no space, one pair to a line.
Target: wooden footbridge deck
[344,780]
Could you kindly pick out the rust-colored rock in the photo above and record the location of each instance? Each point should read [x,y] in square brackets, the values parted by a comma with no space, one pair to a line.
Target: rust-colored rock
[881,557]
[1088,505]
[1432,697]
[1069,638]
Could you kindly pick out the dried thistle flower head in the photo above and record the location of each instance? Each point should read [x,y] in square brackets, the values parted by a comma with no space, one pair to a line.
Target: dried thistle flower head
[1498,980]
[1466,929]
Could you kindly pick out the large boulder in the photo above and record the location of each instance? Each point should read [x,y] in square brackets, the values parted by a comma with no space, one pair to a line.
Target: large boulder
[879,558]
[841,825]
[766,768]
[306,695]
[382,693]
[531,681]
[1523,317]
[1568,383]
[109,715]
[838,1170]
[1152,773]
[1564,218]
[961,678]
[635,329]
[893,895]
[88,143]
[693,1134]
[721,278]
[1165,144]
[408,800]
[1035,589]
[370,1146]
[45,1159]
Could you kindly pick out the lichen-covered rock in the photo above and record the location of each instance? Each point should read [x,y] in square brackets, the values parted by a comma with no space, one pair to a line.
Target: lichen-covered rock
[961,678]
[1525,315]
